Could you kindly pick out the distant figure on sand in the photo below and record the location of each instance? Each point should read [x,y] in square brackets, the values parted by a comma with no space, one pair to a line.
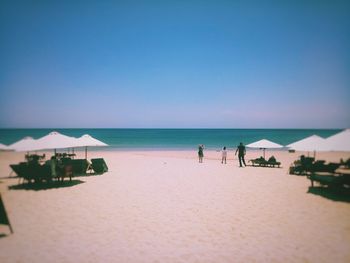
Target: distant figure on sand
[241,153]
[200,152]
[224,155]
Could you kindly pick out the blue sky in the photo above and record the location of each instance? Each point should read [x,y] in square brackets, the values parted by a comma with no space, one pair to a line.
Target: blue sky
[181,64]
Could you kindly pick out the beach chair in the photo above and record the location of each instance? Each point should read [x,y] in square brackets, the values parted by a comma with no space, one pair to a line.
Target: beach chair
[24,172]
[273,162]
[331,167]
[80,166]
[320,166]
[38,173]
[99,165]
[258,161]
[45,173]
[19,169]
[327,179]
[302,166]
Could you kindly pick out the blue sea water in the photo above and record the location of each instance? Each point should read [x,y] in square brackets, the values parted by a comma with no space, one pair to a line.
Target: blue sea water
[177,139]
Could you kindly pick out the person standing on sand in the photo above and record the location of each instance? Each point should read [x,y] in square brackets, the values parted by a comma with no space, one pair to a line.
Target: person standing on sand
[241,153]
[224,155]
[200,152]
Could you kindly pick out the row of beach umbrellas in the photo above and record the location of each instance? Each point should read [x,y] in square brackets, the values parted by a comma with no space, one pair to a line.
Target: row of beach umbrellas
[56,140]
[53,140]
[313,143]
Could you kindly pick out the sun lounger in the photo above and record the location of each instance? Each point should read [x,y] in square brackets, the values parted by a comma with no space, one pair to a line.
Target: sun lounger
[333,175]
[331,167]
[302,166]
[326,179]
[258,161]
[273,162]
[99,165]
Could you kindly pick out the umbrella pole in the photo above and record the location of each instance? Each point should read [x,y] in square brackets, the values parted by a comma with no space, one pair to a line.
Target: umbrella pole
[86,152]
[264,152]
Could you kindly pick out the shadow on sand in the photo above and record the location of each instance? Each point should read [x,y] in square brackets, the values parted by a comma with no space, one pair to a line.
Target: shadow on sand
[3,235]
[340,195]
[45,186]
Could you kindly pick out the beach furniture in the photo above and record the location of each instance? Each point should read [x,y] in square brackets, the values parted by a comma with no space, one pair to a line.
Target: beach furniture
[38,173]
[326,179]
[338,179]
[302,166]
[264,144]
[334,175]
[99,165]
[259,161]
[23,171]
[80,166]
[32,172]
[18,169]
[272,162]
[321,166]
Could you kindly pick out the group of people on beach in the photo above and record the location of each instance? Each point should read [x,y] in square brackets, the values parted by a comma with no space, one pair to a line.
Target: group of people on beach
[240,150]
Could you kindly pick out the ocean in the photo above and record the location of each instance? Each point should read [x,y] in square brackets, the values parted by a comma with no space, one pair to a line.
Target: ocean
[172,139]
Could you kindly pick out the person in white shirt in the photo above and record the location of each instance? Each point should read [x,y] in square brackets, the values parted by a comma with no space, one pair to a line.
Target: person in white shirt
[224,155]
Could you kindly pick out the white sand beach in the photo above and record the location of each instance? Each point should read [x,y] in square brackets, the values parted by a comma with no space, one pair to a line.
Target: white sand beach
[164,206]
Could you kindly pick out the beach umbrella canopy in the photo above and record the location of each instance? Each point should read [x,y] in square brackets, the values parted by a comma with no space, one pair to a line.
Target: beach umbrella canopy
[53,140]
[264,144]
[24,143]
[311,143]
[87,140]
[4,147]
[337,142]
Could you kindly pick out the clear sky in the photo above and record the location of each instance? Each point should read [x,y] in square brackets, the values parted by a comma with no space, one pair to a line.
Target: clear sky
[180,64]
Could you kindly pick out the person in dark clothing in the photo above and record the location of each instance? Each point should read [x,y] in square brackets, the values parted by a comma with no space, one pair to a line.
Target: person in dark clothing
[241,153]
[200,152]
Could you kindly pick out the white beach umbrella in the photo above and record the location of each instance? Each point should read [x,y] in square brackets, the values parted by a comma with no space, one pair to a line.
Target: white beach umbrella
[4,147]
[53,140]
[25,143]
[337,142]
[264,144]
[311,143]
[87,140]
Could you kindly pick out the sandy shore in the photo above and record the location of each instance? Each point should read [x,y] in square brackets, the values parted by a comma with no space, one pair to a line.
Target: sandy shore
[163,206]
